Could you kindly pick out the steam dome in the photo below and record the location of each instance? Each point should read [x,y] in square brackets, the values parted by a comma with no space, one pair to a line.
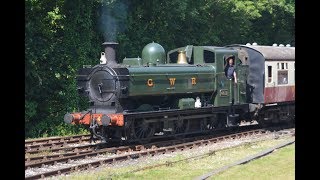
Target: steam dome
[153,53]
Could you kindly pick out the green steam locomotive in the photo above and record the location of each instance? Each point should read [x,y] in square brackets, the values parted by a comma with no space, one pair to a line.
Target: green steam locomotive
[177,93]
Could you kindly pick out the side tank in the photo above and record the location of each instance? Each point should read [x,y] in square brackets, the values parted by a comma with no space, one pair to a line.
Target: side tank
[157,78]
[171,79]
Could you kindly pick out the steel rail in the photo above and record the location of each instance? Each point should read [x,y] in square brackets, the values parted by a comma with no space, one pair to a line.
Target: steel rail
[142,151]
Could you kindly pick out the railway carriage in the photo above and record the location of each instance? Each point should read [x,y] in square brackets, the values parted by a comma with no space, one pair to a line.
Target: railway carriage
[277,102]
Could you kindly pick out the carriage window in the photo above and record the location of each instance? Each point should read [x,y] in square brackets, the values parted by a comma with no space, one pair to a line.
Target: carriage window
[277,65]
[208,56]
[286,65]
[282,65]
[282,77]
[269,74]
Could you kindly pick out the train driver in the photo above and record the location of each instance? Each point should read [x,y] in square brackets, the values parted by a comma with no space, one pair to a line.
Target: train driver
[230,69]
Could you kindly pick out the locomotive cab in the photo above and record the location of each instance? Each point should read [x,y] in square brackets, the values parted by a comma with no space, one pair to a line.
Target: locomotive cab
[226,92]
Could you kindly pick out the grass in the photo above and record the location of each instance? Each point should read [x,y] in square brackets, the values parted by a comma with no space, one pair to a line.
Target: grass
[278,165]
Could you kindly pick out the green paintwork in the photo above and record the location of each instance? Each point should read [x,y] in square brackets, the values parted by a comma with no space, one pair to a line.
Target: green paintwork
[161,75]
[198,55]
[153,54]
[186,103]
[206,64]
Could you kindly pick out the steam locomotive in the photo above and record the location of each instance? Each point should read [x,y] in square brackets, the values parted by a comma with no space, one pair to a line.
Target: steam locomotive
[185,91]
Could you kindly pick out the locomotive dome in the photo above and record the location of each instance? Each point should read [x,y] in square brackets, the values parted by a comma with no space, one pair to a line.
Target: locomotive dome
[153,53]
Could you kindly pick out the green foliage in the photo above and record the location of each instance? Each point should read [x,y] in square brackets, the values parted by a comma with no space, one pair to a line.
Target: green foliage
[61,36]
[55,127]
[269,21]
[30,110]
[55,49]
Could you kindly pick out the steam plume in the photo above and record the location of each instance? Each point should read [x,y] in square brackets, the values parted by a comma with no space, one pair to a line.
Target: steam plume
[113,15]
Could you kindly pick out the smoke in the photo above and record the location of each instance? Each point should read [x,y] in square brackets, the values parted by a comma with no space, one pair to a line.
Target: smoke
[112,20]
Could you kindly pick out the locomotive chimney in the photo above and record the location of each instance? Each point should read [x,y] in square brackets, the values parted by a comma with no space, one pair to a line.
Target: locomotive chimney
[110,52]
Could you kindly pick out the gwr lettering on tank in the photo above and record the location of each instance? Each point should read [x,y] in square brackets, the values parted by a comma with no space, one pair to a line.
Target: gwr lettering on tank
[172,81]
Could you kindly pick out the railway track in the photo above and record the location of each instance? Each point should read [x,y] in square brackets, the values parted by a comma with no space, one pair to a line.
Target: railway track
[54,139]
[59,152]
[71,144]
[114,154]
[54,144]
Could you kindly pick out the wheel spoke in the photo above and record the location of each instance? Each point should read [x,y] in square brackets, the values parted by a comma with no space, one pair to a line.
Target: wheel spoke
[142,130]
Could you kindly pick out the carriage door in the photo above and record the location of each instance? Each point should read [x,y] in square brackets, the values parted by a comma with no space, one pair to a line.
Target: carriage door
[271,68]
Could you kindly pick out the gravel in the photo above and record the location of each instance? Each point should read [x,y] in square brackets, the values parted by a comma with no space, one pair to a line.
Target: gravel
[147,160]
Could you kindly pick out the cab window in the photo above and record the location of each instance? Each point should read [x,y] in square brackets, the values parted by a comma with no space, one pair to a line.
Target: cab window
[208,56]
